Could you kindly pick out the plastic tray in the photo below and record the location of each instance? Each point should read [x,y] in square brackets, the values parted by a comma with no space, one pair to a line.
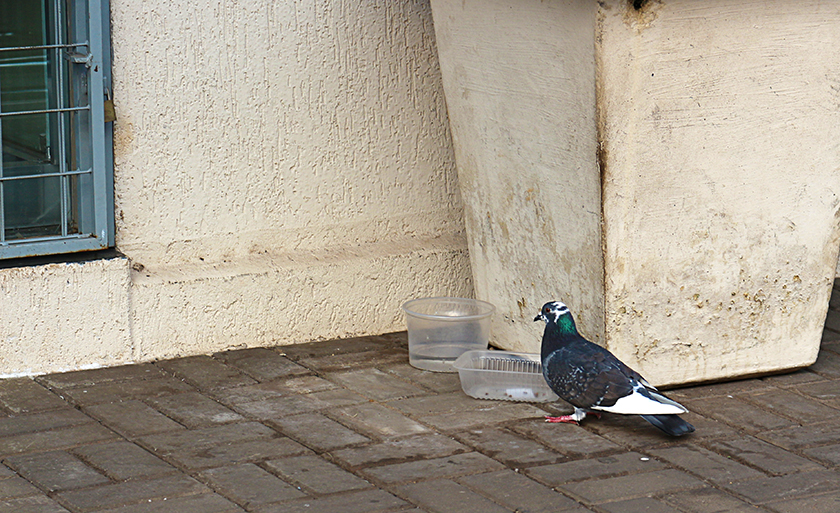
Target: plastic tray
[504,376]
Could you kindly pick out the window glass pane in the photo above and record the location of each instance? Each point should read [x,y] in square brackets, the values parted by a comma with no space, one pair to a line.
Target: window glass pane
[33,206]
[30,144]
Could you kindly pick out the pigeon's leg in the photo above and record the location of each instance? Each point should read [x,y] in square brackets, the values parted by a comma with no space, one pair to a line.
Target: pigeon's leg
[574,418]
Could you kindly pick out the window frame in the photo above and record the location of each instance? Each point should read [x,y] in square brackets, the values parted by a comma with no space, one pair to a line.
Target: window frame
[96,203]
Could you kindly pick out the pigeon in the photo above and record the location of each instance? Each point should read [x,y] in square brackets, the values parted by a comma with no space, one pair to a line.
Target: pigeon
[590,378]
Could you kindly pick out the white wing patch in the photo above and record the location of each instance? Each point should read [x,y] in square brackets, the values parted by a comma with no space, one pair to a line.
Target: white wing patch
[638,404]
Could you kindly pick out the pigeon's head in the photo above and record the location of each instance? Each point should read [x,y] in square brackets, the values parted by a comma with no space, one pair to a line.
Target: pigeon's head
[552,312]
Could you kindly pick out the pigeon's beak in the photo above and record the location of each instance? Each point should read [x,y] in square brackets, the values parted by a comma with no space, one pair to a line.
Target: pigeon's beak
[538,318]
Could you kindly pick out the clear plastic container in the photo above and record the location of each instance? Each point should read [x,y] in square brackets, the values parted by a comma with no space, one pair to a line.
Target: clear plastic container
[440,329]
[504,376]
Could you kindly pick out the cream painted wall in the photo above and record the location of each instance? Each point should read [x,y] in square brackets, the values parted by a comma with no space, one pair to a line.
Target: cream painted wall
[720,129]
[283,173]
[519,77]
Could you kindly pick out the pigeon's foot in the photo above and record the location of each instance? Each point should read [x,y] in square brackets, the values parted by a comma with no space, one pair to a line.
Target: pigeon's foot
[574,418]
[565,419]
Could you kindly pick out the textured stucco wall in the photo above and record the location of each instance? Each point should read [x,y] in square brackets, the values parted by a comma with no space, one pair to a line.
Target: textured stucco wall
[64,316]
[721,150]
[520,86]
[283,173]
[259,136]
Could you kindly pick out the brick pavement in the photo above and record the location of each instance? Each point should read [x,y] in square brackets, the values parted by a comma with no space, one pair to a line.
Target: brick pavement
[349,426]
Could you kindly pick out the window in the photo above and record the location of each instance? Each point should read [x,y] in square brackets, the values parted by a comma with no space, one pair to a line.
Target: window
[56,174]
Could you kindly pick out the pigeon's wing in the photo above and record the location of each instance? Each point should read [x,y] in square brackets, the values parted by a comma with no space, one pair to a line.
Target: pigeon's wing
[586,375]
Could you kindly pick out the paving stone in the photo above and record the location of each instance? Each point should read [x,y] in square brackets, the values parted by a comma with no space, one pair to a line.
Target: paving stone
[633,486]
[113,391]
[594,468]
[627,430]
[254,393]
[767,457]
[318,432]
[298,403]
[365,501]
[793,378]
[249,486]
[32,504]
[832,320]
[828,339]
[206,437]
[99,376]
[316,474]
[56,470]
[743,386]
[204,503]
[516,492]
[56,439]
[802,436]
[825,390]
[443,403]
[391,451]
[439,382]
[252,451]
[206,373]
[792,405]
[378,420]
[498,412]
[511,449]
[20,424]
[307,384]
[375,384]
[567,439]
[706,464]
[834,301]
[633,431]
[122,460]
[829,503]
[435,468]
[131,492]
[194,410]
[24,395]
[336,397]
[132,418]
[329,348]
[791,486]
[278,407]
[445,496]
[641,505]
[262,364]
[736,412]
[341,362]
[827,365]
[828,454]
[15,486]
[708,500]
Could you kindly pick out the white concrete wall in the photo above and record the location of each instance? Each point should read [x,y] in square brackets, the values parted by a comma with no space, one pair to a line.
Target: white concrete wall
[283,173]
[721,150]
[520,85]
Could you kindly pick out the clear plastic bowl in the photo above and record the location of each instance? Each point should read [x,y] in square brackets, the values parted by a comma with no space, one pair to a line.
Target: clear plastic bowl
[440,329]
[504,376]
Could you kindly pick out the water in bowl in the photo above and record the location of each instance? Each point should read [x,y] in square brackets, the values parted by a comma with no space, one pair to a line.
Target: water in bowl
[435,356]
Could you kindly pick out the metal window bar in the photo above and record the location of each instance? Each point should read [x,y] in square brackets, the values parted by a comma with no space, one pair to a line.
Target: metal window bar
[2,192]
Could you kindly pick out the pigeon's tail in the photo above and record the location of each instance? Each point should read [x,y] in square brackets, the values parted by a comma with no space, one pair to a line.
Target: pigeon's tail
[671,424]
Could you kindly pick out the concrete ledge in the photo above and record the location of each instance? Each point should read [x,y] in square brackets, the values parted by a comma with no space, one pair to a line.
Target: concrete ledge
[269,300]
[59,317]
